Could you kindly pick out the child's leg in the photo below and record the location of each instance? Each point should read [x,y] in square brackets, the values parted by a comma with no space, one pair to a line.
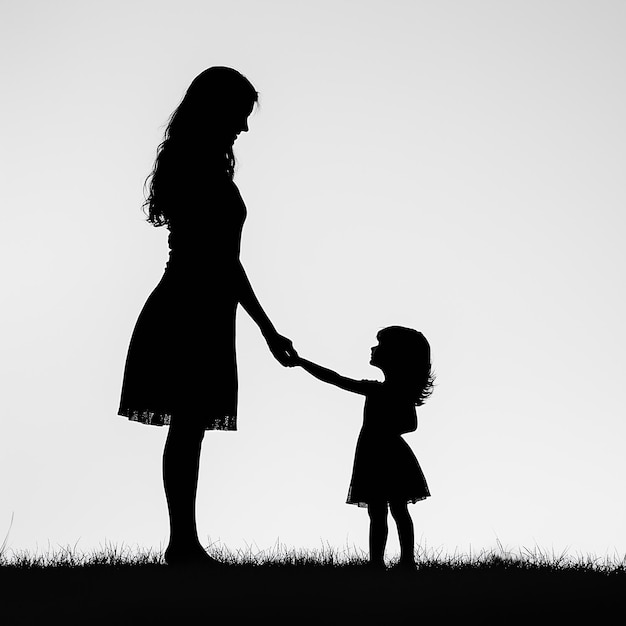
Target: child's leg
[378,532]
[406,534]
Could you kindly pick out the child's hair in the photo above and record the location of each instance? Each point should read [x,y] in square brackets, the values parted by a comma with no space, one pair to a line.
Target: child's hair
[410,352]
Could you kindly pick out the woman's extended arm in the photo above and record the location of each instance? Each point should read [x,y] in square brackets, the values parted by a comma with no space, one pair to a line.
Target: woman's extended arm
[328,376]
[280,346]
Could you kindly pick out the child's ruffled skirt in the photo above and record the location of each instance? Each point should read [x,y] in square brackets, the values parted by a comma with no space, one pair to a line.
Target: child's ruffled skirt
[385,470]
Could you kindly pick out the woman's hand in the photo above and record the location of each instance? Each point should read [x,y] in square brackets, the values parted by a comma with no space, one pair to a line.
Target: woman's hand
[282,349]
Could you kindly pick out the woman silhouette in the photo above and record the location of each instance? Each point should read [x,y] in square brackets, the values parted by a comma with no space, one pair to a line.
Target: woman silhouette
[181,368]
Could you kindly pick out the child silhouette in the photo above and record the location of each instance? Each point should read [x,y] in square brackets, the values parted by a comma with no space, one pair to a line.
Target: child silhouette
[386,473]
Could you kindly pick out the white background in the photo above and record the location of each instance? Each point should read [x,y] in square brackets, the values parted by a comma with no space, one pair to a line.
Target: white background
[454,166]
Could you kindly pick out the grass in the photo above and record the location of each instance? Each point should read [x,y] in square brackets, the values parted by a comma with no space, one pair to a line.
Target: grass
[120,585]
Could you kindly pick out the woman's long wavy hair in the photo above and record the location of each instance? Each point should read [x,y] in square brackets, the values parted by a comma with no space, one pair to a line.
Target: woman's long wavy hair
[198,139]
[409,354]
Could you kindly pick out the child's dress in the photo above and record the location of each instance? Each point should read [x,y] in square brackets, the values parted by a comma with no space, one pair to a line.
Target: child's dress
[181,362]
[385,468]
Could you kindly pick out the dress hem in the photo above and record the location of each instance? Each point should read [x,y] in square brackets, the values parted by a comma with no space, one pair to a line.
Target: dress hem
[408,501]
[160,418]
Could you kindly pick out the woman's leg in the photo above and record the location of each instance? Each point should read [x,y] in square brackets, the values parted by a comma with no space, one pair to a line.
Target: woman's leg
[378,532]
[406,534]
[181,465]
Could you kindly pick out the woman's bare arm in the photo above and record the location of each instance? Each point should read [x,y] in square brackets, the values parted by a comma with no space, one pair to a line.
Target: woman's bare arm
[251,304]
[280,346]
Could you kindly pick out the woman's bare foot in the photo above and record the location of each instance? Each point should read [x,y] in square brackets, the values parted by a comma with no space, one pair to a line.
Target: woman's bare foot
[194,556]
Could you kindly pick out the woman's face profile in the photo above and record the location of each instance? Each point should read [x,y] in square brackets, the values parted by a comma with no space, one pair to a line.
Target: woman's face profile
[239,124]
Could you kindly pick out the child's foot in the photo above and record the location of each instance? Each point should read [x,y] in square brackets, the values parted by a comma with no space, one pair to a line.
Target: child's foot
[404,567]
[376,566]
[190,557]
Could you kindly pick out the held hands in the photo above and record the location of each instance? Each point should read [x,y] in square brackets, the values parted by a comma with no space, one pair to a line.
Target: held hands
[283,350]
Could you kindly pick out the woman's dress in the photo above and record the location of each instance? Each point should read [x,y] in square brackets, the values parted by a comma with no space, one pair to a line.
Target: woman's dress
[385,468]
[181,363]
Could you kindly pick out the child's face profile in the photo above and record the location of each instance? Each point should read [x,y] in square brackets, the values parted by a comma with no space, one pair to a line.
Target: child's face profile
[376,353]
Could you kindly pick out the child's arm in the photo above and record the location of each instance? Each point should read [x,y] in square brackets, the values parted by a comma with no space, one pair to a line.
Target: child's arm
[328,376]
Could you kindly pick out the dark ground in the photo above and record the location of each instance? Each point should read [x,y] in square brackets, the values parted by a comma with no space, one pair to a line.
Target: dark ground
[156,594]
